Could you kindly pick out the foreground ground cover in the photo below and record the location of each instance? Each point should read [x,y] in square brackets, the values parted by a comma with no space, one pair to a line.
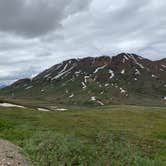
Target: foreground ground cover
[110,135]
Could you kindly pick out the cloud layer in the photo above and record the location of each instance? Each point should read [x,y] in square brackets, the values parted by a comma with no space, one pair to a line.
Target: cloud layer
[37,34]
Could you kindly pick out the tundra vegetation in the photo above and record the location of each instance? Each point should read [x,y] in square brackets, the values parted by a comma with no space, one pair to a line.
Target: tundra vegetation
[88,136]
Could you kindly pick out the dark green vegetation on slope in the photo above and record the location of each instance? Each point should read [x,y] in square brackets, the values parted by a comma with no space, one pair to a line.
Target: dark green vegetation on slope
[110,135]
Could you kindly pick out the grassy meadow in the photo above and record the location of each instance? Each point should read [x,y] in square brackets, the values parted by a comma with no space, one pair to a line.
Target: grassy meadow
[117,135]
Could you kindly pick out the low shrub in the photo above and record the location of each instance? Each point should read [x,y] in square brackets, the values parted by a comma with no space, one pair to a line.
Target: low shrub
[107,150]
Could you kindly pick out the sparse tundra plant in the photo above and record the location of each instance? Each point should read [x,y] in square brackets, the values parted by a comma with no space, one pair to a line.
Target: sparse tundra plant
[61,150]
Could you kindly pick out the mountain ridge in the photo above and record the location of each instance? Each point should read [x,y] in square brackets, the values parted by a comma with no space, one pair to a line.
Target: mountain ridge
[96,80]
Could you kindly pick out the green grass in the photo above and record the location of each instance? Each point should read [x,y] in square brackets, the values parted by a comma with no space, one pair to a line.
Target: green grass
[110,135]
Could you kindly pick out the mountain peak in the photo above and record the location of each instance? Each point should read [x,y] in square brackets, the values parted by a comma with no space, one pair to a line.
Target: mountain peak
[107,79]
[129,56]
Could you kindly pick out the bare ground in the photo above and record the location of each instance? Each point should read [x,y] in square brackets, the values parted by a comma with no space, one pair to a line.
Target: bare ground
[10,155]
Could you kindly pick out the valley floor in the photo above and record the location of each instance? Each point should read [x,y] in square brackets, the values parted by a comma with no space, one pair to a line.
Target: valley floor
[109,135]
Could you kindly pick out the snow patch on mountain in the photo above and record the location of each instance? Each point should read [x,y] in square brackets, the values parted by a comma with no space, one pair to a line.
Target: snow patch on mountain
[43,109]
[125,57]
[101,103]
[99,68]
[47,75]
[63,72]
[136,62]
[137,72]
[123,71]
[93,98]
[107,84]
[164,66]
[71,96]
[102,92]
[154,76]
[112,73]
[84,85]
[10,105]
[29,87]
[86,78]
[61,109]
[122,90]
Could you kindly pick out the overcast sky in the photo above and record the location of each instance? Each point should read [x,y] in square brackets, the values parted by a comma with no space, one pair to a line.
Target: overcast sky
[36,34]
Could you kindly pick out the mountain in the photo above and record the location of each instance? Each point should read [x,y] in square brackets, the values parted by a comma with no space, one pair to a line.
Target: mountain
[2,86]
[125,78]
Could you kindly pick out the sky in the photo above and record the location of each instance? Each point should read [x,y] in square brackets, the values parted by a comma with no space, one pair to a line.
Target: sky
[36,34]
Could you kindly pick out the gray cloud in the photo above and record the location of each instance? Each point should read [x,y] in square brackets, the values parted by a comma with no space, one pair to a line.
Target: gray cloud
[35,18]
[37,34]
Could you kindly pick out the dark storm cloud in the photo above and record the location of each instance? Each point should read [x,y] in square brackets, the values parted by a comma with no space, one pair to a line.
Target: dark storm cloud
[36,34]
[36,17]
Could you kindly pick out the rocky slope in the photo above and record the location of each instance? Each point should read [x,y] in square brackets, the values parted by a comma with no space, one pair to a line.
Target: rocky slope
[125,78]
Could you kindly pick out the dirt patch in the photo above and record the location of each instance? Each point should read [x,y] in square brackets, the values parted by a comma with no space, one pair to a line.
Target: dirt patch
[10,155]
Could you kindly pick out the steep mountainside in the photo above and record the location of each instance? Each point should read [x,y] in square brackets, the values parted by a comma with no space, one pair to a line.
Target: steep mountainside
[125,78]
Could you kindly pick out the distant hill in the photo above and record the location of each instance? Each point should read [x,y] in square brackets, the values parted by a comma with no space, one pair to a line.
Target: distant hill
[2,86]
[125,78]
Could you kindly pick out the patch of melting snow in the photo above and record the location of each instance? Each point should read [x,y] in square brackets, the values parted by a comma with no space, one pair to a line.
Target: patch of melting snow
[65,67]
[126,58]
[71,96]
[123,71]
[137,72]
[29,87]
[165,98]
[99,68]
[43,109]
[112,73]
[63,72]
[10,105]
[106,85]
[70,62]
[100,103]
[86,78]
[154,76]
[93,98]
[47,75]
[123,60]
[140,65]
[164,66]
[84,85]
[135,79]
[122,90]
[78,72]
[61,109]
[100,86]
